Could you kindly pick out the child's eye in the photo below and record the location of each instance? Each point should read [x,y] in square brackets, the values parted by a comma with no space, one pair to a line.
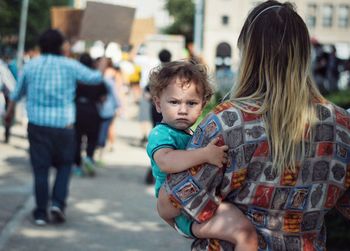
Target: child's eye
[192,103]
[173,102]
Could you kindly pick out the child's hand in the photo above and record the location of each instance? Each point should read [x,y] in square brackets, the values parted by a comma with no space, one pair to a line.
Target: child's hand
[216,155]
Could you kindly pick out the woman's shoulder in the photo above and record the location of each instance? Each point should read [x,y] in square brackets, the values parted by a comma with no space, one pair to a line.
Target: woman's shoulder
[235,113]
[225,106]
[326,110]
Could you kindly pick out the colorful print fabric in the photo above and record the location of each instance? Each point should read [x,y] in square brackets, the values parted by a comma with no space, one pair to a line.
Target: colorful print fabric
[288,208]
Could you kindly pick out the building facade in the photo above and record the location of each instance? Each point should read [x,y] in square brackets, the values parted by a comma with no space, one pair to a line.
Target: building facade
[328,22]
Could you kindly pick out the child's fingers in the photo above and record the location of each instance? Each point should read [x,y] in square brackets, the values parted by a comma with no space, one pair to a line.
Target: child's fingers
[224,147]
[214,141]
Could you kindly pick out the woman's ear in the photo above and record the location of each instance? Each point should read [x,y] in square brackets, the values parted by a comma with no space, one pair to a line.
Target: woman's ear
[156,102]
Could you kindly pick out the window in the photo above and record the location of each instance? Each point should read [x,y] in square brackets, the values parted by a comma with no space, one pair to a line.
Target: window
[311,15]
[327,15]
[225,20]
[343,17]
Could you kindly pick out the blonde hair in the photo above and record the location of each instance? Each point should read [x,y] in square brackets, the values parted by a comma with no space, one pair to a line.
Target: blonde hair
[274,77]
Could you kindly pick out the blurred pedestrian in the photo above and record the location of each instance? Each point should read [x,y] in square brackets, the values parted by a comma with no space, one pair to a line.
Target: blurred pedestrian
[88,121]
[346,69]
[107,110]
[319,67]
[49,83]
[147,62]
[164,56]
[7,84]
[333,72]
[132,75]
[145,118]
[114,74]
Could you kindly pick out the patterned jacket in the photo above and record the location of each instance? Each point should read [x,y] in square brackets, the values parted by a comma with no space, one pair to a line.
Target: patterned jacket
[286,208]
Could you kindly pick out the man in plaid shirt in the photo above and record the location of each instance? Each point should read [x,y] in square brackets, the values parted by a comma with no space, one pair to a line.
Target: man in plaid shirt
[49,84]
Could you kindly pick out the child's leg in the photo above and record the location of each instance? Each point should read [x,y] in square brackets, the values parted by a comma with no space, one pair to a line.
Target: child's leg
[229,224]
[165,208]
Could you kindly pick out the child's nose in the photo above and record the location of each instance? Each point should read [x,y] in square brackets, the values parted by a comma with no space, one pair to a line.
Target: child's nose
[183,108]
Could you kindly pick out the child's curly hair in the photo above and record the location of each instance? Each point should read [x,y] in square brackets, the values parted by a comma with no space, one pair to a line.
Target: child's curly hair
[187,72]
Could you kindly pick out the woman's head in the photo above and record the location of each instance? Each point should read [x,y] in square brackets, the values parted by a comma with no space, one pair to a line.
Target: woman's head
[179,90]
[275,48]
[275,70]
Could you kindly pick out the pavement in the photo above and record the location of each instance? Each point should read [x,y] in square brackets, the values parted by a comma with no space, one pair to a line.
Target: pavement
[113,211]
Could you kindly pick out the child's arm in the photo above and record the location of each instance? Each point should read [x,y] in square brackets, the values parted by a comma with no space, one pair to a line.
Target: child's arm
[174,161]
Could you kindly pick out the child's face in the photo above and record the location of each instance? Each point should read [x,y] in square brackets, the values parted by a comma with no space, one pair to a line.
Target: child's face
[180,106]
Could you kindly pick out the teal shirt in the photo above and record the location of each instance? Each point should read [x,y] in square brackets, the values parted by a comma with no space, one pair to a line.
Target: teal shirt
[164,136]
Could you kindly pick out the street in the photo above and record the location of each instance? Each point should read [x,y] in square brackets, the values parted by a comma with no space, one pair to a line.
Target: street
[114,210]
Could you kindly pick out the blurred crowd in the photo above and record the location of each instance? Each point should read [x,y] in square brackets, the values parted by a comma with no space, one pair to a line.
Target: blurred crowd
[127,81]
[72,104]
[330,73]
[130,78]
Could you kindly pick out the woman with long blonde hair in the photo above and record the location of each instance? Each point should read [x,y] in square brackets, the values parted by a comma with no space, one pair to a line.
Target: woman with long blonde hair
[289,147]
[274,78]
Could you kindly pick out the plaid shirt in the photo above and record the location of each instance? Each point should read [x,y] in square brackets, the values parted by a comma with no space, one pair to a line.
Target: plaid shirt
[49,82]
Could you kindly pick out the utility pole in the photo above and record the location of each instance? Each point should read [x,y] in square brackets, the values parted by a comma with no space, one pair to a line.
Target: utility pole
[22,34]
[198,26]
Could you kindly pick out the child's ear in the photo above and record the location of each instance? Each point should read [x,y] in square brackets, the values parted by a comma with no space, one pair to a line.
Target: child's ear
[156,102]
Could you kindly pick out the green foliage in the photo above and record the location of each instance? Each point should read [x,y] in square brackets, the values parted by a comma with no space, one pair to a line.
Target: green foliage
[340,98]
[9,12]
[183,13]
[38,19]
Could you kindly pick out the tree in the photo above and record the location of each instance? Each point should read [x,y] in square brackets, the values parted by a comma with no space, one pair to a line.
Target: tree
[183,13]
[38,20]
[9,16]
[9,20]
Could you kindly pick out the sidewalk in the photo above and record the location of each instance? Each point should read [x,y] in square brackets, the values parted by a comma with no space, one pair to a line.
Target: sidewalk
[113,211]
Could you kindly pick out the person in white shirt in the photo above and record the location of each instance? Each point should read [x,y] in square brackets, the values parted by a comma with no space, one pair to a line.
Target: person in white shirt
[7,83]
